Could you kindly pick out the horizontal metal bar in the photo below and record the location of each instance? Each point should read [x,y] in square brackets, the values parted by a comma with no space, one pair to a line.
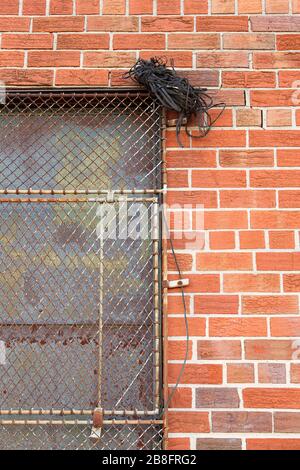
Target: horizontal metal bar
[76,412]
[78,90]
[71,200]
[69,192]
[76,422]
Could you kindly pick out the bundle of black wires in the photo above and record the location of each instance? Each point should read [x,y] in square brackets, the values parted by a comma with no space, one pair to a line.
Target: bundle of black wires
[177,94]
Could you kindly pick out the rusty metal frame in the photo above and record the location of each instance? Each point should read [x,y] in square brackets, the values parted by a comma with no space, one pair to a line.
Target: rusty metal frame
[156,297]
[160,309]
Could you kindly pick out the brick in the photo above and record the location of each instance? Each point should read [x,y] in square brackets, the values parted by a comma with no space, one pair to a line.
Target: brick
[200,283]
[187,240]
[177,327]
[53,59]
[263,349]
[193,198]
[83,41]
[275,23]
[247,198]
[81,77]
[222,240]
[9,7]
[295,6]
[221,139]
[276,220]
[249,41]
[269,305]
[223,6]
[172,140]
[254,6]
[289,199]
[222,59]
[185,262]
[288,157]
[252,240]
[271,373]
[251,79]
[272,398]
[276,60]
[113,23]
[218,444]
[281,240]
[273,444]
[240,373]
[277,6]
[217,398]
[276,98]
[195,7]
[164,7]
[168,23]
[279,117]
[11,59]
[268,349]
[248,118]
[222,23]
[218,178]
[231,98]
[27,41]
[14,24]
[114,7]
[246,158]
[295,373]
[177,443]
[34,7]
[191,158]
[280,138]
[194,421]
[58,23]
[195,374]
[235,327]
[22,77]
[177,350]
[285,327]
[183,59]
[136,7]
[139,41]
[225,220]
[251,282]
[109,59]
[224,261]
[87,7]
[288,78]
[216,304]
[287,422]
[175,305]
[177,179]
[286,42]
[241,422]
[218,350]
[61,7]
[194,41]
[291,282]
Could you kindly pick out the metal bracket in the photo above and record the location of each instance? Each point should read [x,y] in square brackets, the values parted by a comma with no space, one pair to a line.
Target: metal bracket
[98,419]
[177,283]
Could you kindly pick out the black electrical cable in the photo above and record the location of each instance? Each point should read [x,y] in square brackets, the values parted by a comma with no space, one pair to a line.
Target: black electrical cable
[177,94]
[182,369]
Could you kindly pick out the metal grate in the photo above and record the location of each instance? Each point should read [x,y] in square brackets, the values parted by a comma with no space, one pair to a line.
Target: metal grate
[79,306]
[83,140]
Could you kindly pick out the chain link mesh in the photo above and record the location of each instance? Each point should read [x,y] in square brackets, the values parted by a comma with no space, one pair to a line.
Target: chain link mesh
[79,313]
[69,141]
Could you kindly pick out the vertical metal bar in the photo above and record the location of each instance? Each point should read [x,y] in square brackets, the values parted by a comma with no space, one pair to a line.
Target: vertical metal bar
[101,296]
[165,279]
[155,237]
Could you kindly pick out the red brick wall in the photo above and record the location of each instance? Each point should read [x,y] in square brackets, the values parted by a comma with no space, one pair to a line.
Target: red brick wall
[241,387]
